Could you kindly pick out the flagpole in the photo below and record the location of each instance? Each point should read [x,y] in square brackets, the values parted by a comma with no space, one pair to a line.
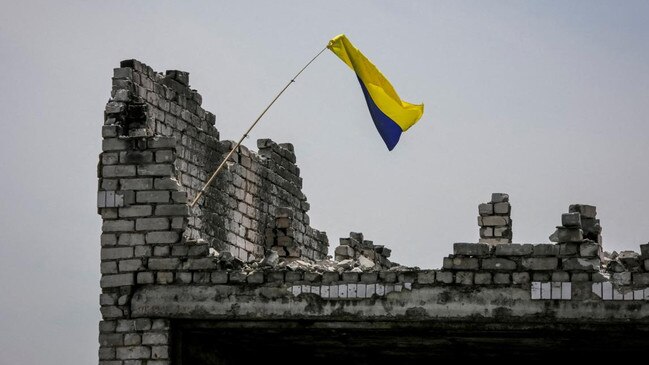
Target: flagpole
[202,191]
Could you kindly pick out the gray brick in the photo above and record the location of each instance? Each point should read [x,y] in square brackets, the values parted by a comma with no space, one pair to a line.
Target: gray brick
[164,263]
[579,264]
[350,277]
[114,144]
[152,196]
[178,223]
[132,339]
[135,211]
[130,265]
[540,263]
[130,239]
[482,278]
[493,221]
[589,249]
[641,279]
[162,142]
[461,263]
[180,196]
[111,281]
[155,338]
[546,249]
[166,183]
[256,277]
[369,277]
[499,197]
[162,237]
[109,184]
[407,276]
[445,277]
[142,251]
[237,277]
[644,251]
[198,250]
[123,73]
[571,220]
[206,263]
[133,352]
[164,277]
[111,312]
[106,353]
[485,209]
[108,239]
[117,226]
[125,325]
[221,277]
[136,184]
[586,211]
[172,209]
[520,277]
[164,156]
[464,277]
[109,267]
[155,170]
[145,278]
[564,234]
[560,276]
[160,324]
[498,264]
[470,249]
[541,276]
[580,277]
[107,326]
[330,277]
[179,250]
[502,278]
[117,171]
[621,278]
[159,352]
[161,251]
[388,276]
[111,339]
[184,277]
[109,158]
[514,249]
[136,157]
[152,224]
[426,277]
[502,208]
[116,253]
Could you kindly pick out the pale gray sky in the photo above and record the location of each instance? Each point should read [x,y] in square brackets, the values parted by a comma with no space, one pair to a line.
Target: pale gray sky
[545,100]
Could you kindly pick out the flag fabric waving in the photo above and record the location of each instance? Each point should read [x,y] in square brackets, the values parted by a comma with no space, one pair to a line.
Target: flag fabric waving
[391,115]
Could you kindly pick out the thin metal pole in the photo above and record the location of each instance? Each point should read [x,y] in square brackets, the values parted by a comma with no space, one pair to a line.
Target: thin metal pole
[200,193]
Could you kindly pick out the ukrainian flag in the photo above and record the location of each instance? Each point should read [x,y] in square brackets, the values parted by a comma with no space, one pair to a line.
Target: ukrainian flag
[392,116]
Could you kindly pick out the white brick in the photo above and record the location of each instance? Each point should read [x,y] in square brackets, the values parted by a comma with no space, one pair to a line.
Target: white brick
[536,290]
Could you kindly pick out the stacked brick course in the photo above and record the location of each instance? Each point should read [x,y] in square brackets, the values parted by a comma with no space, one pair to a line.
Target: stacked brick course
[495,220]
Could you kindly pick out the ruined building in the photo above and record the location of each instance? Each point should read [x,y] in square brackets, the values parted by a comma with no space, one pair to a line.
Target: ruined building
[243,277]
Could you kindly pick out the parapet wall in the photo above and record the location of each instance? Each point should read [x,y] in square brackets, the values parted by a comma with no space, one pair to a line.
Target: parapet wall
[247,252]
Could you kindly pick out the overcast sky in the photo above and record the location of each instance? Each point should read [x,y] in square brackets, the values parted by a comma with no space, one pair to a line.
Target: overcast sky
[545,100]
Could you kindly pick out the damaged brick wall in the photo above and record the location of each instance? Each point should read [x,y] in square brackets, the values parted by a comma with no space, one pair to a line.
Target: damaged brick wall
[246,251]
[241,203]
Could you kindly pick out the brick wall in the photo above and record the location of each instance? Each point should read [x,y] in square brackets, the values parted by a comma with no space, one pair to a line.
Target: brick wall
[159,147]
